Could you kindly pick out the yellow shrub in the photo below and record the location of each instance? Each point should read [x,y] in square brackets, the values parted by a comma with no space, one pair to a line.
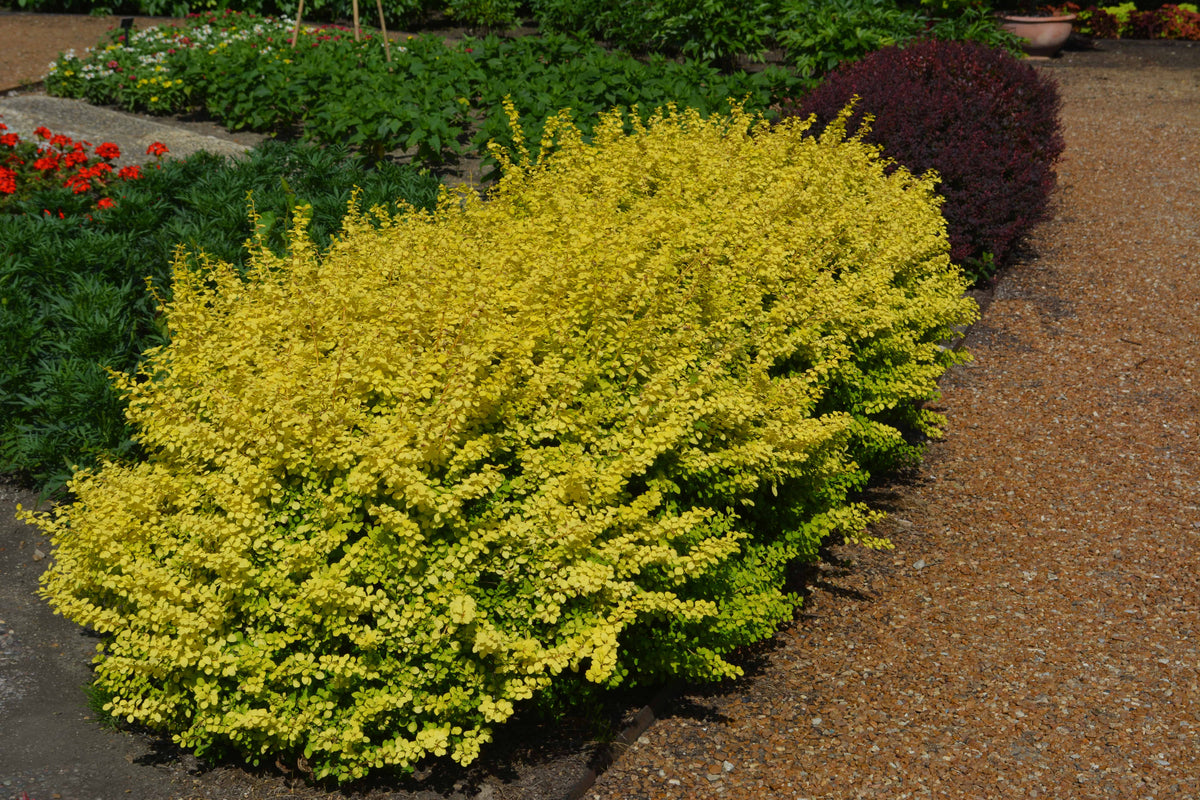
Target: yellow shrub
[396,490]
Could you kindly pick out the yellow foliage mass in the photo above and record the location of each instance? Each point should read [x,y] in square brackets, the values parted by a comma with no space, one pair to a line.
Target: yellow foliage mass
[579,427]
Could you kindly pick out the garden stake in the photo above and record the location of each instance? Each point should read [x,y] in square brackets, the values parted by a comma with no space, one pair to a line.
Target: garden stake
[356,30]
[387,50]
[296,32]
[126,24]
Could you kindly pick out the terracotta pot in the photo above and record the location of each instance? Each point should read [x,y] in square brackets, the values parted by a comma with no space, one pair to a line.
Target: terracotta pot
[1043,36]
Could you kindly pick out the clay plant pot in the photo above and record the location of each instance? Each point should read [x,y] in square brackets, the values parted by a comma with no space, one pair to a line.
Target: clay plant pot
[1042,37]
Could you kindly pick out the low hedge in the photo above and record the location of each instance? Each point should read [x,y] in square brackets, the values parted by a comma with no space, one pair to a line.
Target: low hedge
[399,488]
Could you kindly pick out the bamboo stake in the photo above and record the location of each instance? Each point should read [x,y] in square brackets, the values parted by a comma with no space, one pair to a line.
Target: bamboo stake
[296,32]
[387,50]
[357,33]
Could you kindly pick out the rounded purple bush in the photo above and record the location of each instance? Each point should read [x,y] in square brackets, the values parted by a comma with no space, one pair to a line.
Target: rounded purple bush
[986,122]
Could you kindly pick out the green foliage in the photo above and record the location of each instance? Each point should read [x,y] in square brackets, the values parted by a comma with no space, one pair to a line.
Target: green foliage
[396,12]
[818,35]
[717,31]
[419,101]
[73,300]
[399,487]
[436,101]
[499,14]
[540,75]
[974,22]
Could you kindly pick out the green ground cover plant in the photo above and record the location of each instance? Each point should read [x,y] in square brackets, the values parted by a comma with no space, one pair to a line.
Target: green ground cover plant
[397,488]
[712,30]
[74,267]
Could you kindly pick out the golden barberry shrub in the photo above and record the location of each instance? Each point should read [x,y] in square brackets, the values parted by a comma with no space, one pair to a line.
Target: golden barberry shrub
[582,427]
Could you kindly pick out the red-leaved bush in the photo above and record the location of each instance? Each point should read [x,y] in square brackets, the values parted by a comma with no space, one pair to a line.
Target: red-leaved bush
[986,122]
[1168,21]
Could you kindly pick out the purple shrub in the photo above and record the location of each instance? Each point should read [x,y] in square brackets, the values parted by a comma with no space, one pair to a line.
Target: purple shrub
[986,122]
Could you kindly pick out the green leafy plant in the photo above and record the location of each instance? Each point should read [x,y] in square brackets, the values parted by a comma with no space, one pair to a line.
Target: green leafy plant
[485,13]
[718,31]
[541,75]
[818,35]
[396,12]
[435,101]
[973,22]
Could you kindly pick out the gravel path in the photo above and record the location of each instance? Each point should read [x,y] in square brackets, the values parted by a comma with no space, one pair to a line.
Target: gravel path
[1035,633]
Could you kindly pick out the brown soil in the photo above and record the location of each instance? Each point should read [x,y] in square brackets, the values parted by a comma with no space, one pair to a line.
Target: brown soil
[32,41]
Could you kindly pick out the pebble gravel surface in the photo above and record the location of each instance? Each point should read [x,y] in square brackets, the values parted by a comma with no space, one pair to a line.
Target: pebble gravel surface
[1036,630]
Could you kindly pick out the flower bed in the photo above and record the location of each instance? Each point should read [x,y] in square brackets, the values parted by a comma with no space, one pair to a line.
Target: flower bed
[58,162]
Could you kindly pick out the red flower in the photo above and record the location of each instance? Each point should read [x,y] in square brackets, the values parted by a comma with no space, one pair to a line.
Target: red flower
[130,173]
[108,150]
[46,164]
[105,202]
[74,158]
[8,181]
[43,132]
[87,173]
[78,184]
[10,140]
[60,141]
[157,149]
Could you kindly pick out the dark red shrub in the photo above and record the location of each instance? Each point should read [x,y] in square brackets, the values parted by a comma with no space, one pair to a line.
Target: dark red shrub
[1103,24]
[986,122]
